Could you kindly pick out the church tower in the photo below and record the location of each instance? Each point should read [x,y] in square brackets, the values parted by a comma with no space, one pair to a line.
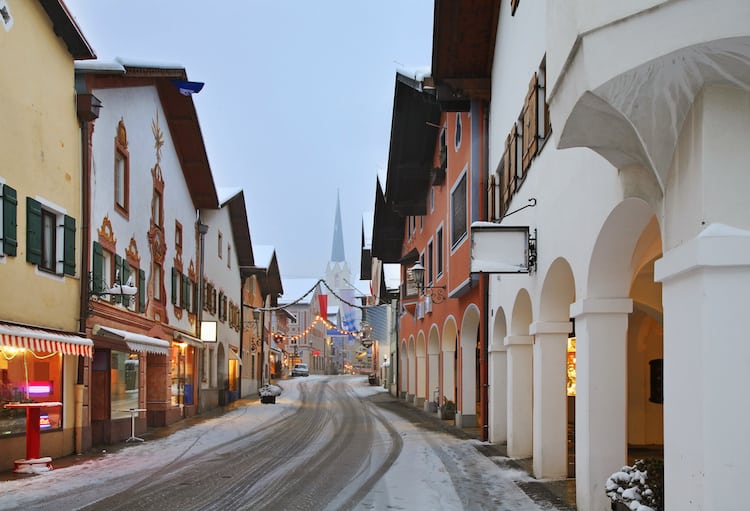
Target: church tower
[338,274]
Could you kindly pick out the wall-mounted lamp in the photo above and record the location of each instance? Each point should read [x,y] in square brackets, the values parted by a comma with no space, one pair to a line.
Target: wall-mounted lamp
[436,292]
[99,290]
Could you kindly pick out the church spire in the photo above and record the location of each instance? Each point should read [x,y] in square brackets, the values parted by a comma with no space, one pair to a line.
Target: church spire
[337,250]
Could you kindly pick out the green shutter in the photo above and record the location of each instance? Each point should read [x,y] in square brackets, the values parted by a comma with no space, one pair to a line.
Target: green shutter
[33,231]
[175,277]
[185,292]
[97,269]
[69,246]
[10,237]
[141,291]
[118,268]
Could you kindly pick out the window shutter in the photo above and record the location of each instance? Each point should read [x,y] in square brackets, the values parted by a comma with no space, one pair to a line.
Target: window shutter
[10,236]
[69,246]
[97,269]
[175,276]
[33,231]
[141,291]
[125,274]
[118,268]
[530,130]
[185,291]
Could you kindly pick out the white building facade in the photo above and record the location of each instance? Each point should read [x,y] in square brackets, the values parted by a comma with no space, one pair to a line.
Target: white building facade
[643,242]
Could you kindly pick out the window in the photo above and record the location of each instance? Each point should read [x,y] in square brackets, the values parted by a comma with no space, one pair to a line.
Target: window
[221,245]
[125,374]
[122,179]
[439,253]
[50,238]
[122,170]
[458,211]
[178,236]
[430,267]
[156,214]
[458,130]
[8,233]
[36,375]
[157,282]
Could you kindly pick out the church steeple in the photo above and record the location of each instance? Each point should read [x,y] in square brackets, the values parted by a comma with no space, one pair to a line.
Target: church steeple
[337,250]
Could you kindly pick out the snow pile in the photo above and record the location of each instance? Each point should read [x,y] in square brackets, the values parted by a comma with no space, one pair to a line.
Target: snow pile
[632,486]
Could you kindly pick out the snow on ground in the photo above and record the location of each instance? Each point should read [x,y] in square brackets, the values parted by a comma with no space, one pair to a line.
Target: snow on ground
[434,471]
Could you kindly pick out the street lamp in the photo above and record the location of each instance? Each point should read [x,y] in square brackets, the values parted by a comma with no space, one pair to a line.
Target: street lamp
[436,292]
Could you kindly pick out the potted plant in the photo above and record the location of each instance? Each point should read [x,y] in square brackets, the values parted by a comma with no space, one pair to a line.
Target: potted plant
[639,487]
[447,409]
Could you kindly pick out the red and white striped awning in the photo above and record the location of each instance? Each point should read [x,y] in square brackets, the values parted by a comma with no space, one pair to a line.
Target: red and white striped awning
[39,340]
[135,342]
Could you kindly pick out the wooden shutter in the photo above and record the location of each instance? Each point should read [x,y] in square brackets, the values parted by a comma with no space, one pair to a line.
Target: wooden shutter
[141,291]
[175,277]
[33,231]
[97,269]
[10,234]
[69,245]
[513,7]
[530,129]
[185,292]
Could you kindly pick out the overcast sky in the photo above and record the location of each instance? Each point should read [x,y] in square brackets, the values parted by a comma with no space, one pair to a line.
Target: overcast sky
[296,106]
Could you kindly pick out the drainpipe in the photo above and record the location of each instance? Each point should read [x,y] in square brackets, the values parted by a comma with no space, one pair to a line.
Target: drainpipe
[485,290]
[87,110]
[202,230]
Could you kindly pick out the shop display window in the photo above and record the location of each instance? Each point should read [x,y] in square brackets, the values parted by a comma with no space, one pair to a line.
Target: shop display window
[27,376]
[125,387]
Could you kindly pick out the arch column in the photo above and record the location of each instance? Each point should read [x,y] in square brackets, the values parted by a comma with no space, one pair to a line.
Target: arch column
[498,393]
[449,376]
[520,396]
[550,399]
[601,395]
[705,293]
[421,391]
[433,374]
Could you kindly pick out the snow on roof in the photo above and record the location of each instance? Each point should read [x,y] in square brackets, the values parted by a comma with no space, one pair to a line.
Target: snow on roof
[392,275]
[263,255]
[418,73]
[367,221]
[225,194]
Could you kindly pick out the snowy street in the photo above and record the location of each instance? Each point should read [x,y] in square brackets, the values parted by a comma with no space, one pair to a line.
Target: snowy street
[329,442]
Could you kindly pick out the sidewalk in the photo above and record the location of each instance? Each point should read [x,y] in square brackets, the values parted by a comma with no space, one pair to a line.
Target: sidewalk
[559,493]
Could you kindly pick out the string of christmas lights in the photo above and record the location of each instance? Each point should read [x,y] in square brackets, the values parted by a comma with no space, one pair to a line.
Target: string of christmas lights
[318,319]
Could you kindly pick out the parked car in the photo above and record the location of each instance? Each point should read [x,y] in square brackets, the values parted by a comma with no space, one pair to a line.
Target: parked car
[300,370]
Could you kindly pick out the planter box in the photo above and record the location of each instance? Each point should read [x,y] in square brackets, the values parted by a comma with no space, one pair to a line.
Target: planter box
[268,399]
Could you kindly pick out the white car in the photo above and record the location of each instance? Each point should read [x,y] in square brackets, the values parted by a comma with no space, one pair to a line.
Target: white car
[300,370]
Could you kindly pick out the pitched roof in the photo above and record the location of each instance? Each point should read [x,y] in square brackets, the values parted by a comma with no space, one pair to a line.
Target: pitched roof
[179,109]
[67,29]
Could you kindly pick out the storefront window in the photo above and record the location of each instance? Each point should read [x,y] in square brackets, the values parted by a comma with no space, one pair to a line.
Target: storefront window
[571,363]
[29,376]
[181,371]
[124,374]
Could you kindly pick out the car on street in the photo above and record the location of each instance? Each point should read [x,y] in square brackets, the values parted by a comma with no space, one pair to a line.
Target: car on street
[300,370]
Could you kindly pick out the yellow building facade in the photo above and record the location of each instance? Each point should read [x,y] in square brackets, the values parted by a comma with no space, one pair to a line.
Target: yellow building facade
[40,242]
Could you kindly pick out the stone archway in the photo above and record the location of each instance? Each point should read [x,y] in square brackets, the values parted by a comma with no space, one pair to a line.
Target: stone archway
[421,371]
[627,242]
[449,363]
[403,369]
[498,380]
[433,369]
[469,386]
[551,332]
[411,387]
[520,384]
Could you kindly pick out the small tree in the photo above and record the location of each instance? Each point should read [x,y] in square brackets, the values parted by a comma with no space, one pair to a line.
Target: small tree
[640,487]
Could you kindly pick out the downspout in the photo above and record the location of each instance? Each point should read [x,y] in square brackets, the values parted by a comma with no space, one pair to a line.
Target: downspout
[485,289]
[202,230]
[87,111]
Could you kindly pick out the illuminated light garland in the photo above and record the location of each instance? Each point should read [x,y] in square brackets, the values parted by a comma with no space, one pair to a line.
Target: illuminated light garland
[318,319]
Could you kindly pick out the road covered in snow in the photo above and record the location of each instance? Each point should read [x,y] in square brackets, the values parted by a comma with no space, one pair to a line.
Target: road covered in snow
[329,442]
